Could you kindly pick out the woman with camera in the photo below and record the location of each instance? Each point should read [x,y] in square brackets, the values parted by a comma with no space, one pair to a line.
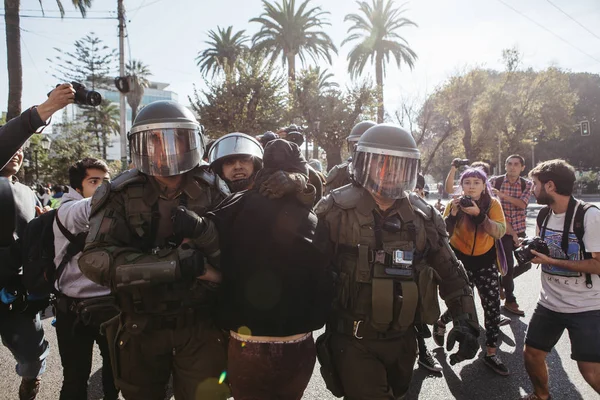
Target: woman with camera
[475,221]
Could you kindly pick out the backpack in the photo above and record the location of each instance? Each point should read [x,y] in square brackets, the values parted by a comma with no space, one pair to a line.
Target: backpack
[578,229]
[500,179]
[39,270]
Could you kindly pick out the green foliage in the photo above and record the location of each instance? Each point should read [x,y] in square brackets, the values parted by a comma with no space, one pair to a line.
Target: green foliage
[375,31]
[71,145]
[138,73]
[251,100]
[225,48]
[102,121]
[288,32]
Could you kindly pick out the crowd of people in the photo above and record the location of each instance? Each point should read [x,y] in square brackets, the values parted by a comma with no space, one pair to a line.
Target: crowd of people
[212,265]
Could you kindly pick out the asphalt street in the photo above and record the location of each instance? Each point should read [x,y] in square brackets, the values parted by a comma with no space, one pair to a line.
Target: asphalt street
[467,380]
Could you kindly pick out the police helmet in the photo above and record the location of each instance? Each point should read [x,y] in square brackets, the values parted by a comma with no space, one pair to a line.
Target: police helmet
[386,161]
[166,139]
[295,137]
[235,144]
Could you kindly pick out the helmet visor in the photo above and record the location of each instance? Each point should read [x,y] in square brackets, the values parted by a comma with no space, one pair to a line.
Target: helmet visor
[166,152]
[385,175]
[235,144]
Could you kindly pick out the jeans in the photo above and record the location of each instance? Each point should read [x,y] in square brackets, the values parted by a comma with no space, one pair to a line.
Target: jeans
[508,282]
[75,345]
[23,335]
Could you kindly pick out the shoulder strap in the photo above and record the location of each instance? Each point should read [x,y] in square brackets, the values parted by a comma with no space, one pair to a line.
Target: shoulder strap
[498,182]
[541,217]
[523,184]
[579,230]
[76,244]
[70,237]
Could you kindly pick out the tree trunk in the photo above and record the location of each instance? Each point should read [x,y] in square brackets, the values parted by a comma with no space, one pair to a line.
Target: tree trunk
[133,113]
[467,138]
[334,156]
[291,62]
[379,82]
[445,136]
[13,57]
[315,154]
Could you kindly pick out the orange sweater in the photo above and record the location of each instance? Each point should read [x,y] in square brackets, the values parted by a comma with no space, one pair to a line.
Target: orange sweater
[475,240]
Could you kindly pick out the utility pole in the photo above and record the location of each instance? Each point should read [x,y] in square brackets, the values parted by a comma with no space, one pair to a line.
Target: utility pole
[123,129]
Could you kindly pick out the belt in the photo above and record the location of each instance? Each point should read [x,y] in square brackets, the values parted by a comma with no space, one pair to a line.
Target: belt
[361,329]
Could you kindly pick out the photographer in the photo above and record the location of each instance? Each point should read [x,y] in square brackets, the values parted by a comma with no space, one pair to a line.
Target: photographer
[570,282]
[474,221]
[19,129]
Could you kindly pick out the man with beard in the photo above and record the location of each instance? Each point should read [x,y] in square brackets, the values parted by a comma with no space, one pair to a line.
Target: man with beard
[21,331]
[570,283]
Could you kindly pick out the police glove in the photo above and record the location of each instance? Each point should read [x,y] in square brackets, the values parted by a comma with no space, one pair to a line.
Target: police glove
[191,263]
[281,183]
[187,224]
[467,339]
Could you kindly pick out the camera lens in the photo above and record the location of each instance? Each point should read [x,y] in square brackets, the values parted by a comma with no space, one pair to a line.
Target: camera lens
[93,98]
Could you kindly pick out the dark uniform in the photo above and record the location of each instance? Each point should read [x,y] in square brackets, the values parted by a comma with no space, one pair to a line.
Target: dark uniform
[389,266]
[165,327]
[338,176]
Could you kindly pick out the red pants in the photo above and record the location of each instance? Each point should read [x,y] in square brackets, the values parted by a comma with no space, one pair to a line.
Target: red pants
[270,371]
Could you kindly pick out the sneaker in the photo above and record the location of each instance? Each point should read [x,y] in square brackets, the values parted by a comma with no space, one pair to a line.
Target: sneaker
[495,363]
[513,307]
[439,331]
[429,362]
[534,396]
[29,388]
[504,321]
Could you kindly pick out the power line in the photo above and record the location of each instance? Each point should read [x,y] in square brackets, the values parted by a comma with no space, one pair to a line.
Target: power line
[573,19]
[68,11]
[50,17]
[549,31]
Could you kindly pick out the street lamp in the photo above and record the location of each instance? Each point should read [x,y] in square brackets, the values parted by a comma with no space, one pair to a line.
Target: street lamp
[45,144]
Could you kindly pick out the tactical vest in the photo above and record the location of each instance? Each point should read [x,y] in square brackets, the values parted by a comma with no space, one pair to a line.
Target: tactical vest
[141,201]
[385,284]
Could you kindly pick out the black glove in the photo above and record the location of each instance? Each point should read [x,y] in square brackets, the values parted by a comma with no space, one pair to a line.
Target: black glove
[191,263]
[187,224]
[281,183]
[467,339]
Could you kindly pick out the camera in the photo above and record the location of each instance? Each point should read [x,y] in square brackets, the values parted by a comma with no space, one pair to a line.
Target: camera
[85,97]
[523,253]
[457,162]
[466,201]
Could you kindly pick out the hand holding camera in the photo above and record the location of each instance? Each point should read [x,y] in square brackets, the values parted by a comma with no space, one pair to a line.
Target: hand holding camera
[460,162]
[59,98]
[536,244]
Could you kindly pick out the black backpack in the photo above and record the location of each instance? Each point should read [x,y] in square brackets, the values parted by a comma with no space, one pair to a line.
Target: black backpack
[578,229]
[37,243]
[500,179]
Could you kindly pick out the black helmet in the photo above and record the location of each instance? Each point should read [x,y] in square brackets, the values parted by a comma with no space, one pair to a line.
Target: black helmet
[235,144]
[295,137]
[359,129]
[267,137]
[166,139]
[386,161]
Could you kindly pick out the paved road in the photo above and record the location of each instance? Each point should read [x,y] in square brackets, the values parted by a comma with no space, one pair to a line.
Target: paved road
[468,380]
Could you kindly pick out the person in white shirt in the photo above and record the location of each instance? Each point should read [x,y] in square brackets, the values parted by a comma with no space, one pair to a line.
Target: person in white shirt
[570,295]
[76,333]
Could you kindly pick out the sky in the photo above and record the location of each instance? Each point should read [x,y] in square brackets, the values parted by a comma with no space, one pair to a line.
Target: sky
[451,35]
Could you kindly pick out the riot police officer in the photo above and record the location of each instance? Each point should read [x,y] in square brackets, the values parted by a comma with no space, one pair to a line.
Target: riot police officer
[340,175]
[163,287]
[391,254]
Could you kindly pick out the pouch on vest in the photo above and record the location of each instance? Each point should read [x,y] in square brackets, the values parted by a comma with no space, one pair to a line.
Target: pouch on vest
[328,371]
[428,293]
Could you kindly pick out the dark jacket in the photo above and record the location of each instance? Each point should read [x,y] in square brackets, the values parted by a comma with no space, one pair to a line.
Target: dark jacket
[276,267]
[16,132]
[10,259]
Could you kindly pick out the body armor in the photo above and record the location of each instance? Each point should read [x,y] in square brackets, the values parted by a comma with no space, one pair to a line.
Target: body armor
[390,265]
[338,176]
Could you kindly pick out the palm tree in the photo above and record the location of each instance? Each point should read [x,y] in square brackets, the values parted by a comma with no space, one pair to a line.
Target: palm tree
[224,51]
[138,74]
[376,31]
[103,121]
[292,32]
[13,49]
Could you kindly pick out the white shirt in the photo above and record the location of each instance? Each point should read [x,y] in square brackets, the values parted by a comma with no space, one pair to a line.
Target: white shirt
[564,290]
